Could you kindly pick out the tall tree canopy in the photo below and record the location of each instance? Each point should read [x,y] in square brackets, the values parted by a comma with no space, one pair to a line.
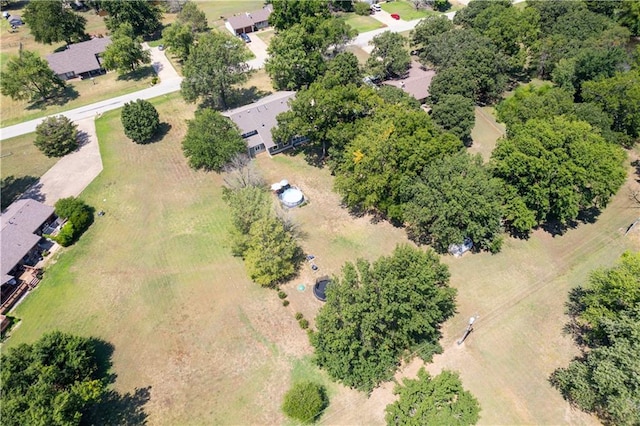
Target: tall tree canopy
[376,313]
[605,319]
[193,17]
[50,22]
[389,57]
[28,77]
[559,167]
[178,39]
[54,381]
[140,120]
[440,400]
[297,55]
[428,28]
[143,16]
[455,198]
[456,114]
[211,141]
[390,151]
[213,67]
[287,13]
[125,53]
[473,54]
[620,97]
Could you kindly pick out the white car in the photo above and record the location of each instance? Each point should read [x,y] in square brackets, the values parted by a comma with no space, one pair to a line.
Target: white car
[376,7]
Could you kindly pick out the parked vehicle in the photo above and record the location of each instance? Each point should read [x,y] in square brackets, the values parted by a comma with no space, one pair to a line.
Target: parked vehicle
[245,37]
[376,8]
[395,16]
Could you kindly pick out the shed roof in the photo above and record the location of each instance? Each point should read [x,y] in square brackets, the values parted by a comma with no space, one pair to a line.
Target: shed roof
[79,57]
[260,117]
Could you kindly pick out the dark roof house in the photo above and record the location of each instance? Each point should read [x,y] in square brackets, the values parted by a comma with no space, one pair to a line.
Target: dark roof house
[21,225]
[249,22]
[416,83]
[79,59]
[256,120]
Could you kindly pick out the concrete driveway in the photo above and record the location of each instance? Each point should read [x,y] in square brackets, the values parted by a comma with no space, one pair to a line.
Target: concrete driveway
[258,48]
[73,172]
[161,64]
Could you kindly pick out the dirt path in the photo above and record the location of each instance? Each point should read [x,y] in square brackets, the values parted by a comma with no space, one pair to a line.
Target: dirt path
[72,173]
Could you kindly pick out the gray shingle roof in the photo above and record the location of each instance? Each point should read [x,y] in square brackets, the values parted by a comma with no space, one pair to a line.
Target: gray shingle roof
[261,117]
[249,19]
[79,57]
[416,83]
[18,224]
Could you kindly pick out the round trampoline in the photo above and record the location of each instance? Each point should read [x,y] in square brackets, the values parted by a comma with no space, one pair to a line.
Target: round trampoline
[320,288]
[292,197]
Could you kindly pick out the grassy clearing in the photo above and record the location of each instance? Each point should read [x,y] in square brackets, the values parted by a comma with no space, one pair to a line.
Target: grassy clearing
[406,10]
[21,164]
[361,24]
[360,53]
[265,35]
[219,9]
[485,132]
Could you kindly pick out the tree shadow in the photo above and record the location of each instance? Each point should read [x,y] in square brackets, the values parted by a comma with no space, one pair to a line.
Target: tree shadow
[115,409]
[138,74]
[636,165]
[13,187]
[244,96]
[557,228]
[83,138]
[161,132]
[65,95]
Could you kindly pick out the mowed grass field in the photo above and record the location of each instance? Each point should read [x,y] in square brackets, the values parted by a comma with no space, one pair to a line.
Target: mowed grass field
[155,277]
[485,132]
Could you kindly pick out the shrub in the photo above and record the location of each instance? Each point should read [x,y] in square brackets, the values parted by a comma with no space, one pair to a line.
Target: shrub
[285,303]
[154,80]
[79,217]
[299,316]
[140,121]
[304,323]
[282,294]
[66,235]
[305,401]
[362,8]
[56,136]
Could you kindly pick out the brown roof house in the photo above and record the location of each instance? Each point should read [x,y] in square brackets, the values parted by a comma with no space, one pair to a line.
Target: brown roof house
[79,59]
[249,22]
[22,225]
[256,120]
[416,83]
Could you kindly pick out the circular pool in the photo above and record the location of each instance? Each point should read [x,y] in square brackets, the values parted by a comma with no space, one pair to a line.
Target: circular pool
[292,197]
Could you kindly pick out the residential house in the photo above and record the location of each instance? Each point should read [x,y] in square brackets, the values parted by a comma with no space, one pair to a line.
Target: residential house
[249,22]
[416,83]
[22,226]
[79,59]
[256,120]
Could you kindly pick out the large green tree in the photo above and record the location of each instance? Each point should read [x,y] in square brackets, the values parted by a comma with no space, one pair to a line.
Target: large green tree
[213,67]
[287,13]
[440,400]
[178,39]
[428,28]
[385,157]
[28,77]
[193,17]
[389,57]
[143,16]
[559,167]
[248,205]
[455,197]
[455,114]
[376,313]
[605,320]
[211,141]
[50,21]
[140,120]
[620,97]
[305,402]
[54,381]
[56,136]
[125,53]
[273,254]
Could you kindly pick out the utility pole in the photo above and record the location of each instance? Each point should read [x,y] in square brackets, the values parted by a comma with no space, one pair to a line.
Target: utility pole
[469,329]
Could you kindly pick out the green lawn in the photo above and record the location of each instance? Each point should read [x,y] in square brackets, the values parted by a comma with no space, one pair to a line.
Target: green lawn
[361,24]
[485,132]
[406,10]
[21,164]
[265,35]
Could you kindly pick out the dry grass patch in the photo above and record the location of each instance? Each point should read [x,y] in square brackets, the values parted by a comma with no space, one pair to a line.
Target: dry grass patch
[485,132]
